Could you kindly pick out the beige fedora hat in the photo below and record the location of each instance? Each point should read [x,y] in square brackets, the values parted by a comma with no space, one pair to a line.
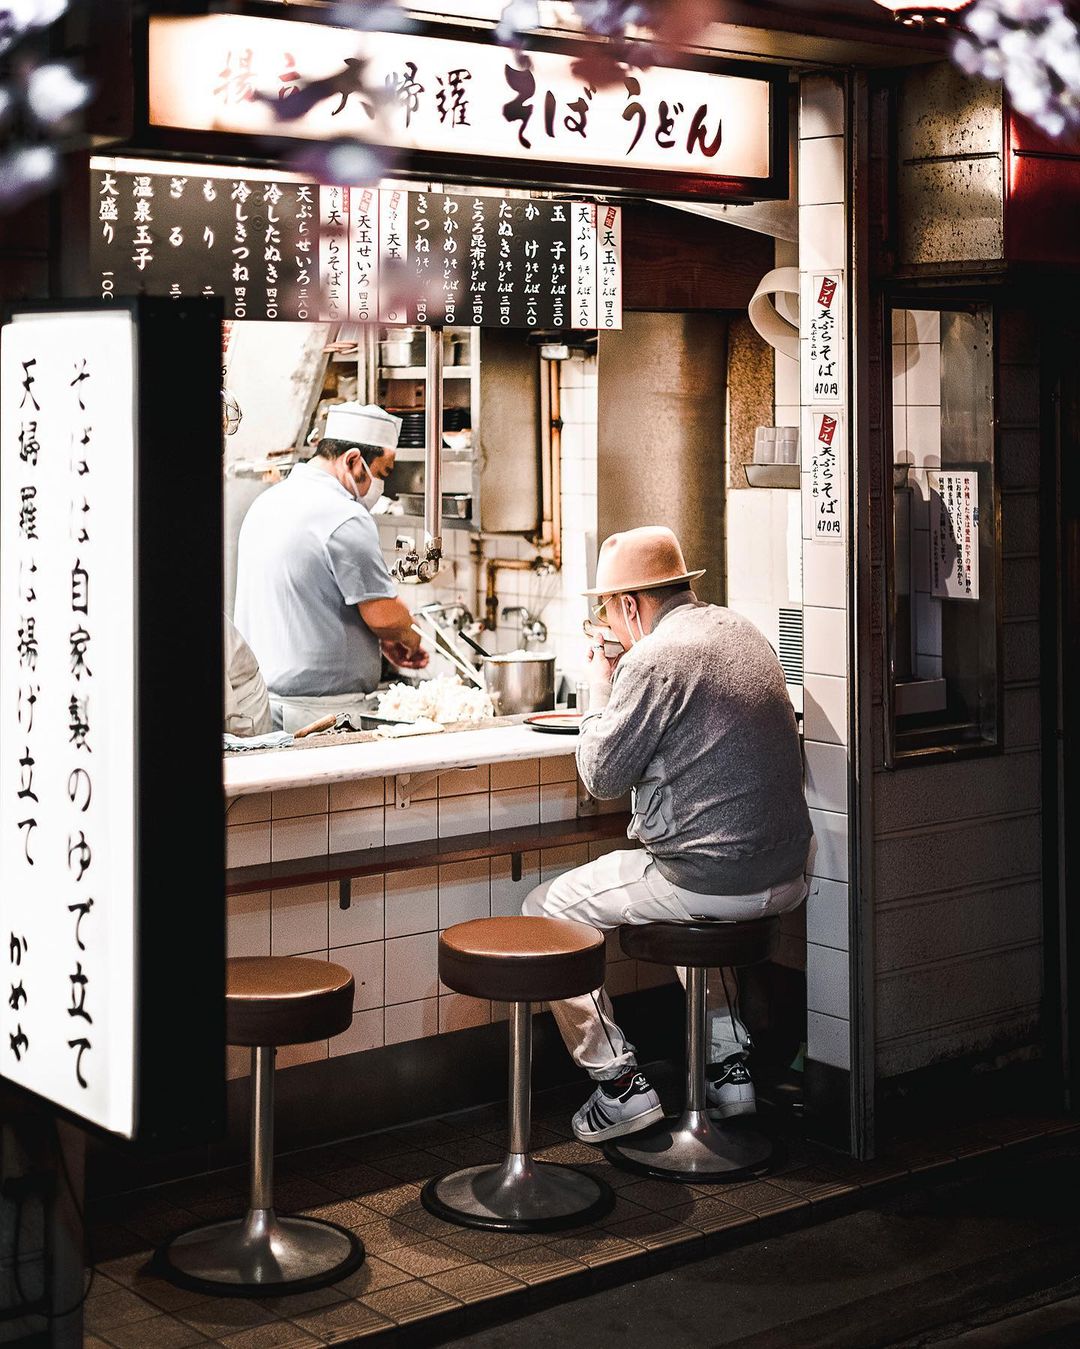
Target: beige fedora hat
[640,559]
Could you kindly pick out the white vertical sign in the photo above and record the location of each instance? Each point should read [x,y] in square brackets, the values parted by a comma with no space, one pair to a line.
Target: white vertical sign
[334,253]
[609,259]
[954,534]
[826,326]
[393,255]
[363,254]
[583,264]
[67,711]
[827,454]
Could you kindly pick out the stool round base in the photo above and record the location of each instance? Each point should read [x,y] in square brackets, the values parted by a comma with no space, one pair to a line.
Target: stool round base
[691,1148]
[518,1195]
[259,1254]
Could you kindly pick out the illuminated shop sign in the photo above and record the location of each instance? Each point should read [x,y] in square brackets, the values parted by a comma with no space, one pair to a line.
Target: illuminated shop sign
[703,128]
[275,247]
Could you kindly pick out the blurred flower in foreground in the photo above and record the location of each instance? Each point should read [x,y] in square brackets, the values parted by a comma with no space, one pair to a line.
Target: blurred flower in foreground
[343,163]
[1033,47]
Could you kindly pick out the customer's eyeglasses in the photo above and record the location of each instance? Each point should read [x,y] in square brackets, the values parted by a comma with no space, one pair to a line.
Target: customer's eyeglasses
[600,611]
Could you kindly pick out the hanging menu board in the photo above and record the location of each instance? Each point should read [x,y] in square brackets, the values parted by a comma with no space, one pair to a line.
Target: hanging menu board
[93,781]
[287,249]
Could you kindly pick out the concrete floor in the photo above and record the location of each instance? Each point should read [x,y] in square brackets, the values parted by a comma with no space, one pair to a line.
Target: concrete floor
[990,1259]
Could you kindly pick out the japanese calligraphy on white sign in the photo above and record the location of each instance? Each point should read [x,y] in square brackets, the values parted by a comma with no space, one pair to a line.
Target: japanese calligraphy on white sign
[826,476]
[256,76]
[67,698]
[825,323]
[954,534]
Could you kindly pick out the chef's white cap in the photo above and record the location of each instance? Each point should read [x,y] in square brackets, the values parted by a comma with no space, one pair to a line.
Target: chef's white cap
[362,424]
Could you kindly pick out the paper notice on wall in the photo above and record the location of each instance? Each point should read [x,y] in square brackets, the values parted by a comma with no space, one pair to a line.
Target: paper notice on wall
[826,477]
[954,534]
[825,329]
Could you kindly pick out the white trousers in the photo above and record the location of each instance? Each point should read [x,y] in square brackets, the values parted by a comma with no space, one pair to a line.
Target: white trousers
[626,887]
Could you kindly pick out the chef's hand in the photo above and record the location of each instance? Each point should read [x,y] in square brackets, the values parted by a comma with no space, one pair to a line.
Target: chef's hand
[405,657]
[598,672]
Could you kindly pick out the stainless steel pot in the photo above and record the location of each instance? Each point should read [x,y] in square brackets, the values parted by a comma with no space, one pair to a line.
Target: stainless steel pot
[521,682]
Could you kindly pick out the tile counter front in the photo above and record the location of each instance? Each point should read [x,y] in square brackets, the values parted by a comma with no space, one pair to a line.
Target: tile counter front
[316,802]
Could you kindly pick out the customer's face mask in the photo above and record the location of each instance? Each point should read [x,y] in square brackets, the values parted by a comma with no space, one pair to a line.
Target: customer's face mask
[631,619]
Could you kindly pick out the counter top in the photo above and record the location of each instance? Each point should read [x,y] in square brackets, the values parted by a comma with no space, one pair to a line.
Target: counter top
[249,773]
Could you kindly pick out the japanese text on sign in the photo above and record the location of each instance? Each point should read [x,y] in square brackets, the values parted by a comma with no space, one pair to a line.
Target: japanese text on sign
[262,76]
[66,706]
[281,249]
[826,494]
[954,534]
[825,328]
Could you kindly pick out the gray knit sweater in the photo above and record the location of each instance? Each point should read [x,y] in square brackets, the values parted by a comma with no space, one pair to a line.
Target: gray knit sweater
[700,727]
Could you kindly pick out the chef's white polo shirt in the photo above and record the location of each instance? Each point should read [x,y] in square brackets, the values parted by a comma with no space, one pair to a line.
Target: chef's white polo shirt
[308,555]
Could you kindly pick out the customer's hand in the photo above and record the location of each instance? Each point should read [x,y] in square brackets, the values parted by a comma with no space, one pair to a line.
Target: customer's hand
[598,673]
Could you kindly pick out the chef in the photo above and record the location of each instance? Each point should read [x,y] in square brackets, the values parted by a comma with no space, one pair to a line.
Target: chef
[314,597]
[693,720]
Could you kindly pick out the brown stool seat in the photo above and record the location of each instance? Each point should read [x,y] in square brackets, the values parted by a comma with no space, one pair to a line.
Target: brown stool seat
[522,959]
[703,945]
[285,1000]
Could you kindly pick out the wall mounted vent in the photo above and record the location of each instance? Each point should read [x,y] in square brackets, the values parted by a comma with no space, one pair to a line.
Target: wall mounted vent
[791,645]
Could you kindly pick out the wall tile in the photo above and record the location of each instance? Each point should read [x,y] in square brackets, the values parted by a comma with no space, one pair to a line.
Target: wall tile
[828,1040]
[822,237]
[924,436]
[562,769]
[463,814]
[354,830]
[786,380]
[464,781]
[821,171]
[365,964]
[247,845]
[291,1056]
[554,861]
[464,892]
[901,453]
[831,832]
[558,801]
[821,106]
[621,978]
[515,809]
[507,894]
[304,836]
[826,775]
[366,1032]
[299,920]
[827,980]
[457,1012]
[825,714]
[411,1021]
[515,773]
[362,921]
[923,374]
[824,641]
[357,795]
[299,801]
[923,325]
[248,924]
[412,901]
[419,821]
[824,575]
[827,913]
[248,809]
[412,968]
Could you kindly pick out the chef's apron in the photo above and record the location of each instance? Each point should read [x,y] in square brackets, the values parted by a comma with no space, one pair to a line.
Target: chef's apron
[292,714]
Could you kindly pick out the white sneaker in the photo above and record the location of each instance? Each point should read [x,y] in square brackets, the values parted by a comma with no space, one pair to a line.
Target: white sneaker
[622,1106]
[731,1091]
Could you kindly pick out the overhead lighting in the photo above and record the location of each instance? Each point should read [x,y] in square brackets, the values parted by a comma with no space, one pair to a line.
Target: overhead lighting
[915,15]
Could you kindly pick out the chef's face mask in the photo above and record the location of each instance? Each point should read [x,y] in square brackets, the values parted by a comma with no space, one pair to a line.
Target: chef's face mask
[369,495]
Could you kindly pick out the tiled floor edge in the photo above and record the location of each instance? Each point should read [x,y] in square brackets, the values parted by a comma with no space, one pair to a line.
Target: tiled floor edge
[483,1314]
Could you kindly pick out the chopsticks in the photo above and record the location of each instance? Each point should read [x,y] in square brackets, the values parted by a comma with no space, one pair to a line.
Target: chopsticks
[445,649]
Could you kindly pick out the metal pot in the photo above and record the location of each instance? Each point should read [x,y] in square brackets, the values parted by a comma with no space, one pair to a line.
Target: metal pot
[523,681]
[397,351]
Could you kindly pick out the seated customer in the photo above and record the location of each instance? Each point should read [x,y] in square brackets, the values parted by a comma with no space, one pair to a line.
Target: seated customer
[695,720]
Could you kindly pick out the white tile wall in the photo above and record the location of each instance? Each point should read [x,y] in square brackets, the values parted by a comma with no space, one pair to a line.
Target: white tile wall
[412,902]
[828,1039]
[826,775]
[299,921]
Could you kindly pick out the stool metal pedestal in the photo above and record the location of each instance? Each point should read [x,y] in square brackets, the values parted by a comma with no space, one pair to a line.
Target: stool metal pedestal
[692,1148]
[519,1194]
[261,1253]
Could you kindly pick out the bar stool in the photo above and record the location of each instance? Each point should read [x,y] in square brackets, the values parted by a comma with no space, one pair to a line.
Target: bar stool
[691,1147]
[520,961]
[270,1001]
